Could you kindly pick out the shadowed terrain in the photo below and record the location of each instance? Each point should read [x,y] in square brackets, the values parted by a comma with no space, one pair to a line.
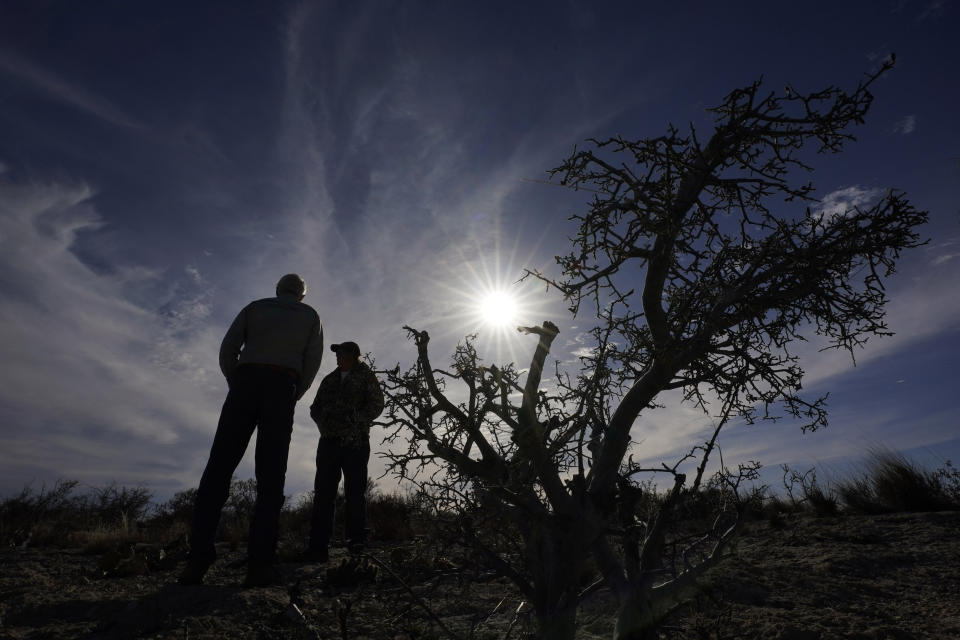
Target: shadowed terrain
[790,576]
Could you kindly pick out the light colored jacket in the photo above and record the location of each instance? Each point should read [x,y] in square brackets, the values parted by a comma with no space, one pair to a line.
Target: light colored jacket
[282,332]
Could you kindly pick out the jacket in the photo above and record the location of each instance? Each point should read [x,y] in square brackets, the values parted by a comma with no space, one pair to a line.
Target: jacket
[282,332]
[345,409]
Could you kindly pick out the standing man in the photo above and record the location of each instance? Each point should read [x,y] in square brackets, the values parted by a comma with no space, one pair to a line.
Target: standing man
[270,356]
[347,402]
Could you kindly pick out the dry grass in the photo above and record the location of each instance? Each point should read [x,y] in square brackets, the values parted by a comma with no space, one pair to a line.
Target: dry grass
[61,517]
[133,539]
[891,483]
[887,482]
[112,517]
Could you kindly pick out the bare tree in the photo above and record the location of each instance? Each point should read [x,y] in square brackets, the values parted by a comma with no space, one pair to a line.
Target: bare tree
[702,265]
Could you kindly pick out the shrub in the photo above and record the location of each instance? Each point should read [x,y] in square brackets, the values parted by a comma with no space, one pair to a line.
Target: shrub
[242,499]
[295,519]
[29,513]
[893,483]
[823,502]
[902,486]
[774,510]
[858,496]
[59,518]
[238,511]
[115,506]
[813,496]
[389,516]
[949,478]
[179,508]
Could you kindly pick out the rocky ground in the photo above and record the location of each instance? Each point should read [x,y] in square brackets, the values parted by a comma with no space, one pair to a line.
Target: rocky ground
[793,578]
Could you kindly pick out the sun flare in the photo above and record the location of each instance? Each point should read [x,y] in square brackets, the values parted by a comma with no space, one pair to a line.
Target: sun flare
[499,308]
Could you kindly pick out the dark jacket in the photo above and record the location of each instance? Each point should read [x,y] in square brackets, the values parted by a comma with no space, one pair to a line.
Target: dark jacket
[345,409]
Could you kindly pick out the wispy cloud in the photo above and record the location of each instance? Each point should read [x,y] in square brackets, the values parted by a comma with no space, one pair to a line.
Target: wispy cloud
[59,89]
[922,304]
[841,201]
[945,257]
[91,384]
[932,10]
[906,125]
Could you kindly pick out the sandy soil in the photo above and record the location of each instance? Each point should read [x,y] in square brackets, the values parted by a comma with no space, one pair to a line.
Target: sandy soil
[862,577]
[796,578]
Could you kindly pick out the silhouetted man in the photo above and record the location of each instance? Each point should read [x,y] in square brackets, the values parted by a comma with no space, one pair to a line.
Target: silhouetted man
[270,356]
[348,400]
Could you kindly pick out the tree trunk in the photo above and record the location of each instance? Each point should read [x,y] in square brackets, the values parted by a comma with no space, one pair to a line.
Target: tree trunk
[559,624]
[636,619]
[556,561]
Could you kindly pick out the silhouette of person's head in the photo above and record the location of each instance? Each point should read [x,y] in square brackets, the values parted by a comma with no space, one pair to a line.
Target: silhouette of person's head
[292,284]
[348,354]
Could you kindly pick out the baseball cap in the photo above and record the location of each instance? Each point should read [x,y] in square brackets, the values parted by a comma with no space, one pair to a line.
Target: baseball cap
[347,347]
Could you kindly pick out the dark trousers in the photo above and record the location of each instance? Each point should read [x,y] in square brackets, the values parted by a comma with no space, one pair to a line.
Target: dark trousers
[334,458]
[263,399]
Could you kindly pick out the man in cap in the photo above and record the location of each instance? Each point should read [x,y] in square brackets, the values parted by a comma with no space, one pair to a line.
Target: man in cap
[348,400]
[269,356]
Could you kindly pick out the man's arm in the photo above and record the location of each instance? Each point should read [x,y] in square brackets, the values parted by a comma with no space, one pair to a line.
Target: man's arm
[232,343]
[312,357]
[317,406]
[374,397]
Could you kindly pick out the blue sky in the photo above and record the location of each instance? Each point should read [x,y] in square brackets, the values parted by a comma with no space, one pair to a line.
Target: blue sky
[161,164]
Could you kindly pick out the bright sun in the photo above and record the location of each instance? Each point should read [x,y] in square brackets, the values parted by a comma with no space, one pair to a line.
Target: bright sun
[499,308]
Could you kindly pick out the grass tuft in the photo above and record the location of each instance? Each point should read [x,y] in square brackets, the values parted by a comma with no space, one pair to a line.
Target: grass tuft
[893,483]
[823,502]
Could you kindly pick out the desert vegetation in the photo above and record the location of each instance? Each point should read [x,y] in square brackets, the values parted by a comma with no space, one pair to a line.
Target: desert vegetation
[70,515]
[421,577]
[888,482]
[92,519]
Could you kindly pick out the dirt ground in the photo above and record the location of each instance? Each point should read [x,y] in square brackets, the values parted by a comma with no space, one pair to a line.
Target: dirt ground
[862,577]
[791,578]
